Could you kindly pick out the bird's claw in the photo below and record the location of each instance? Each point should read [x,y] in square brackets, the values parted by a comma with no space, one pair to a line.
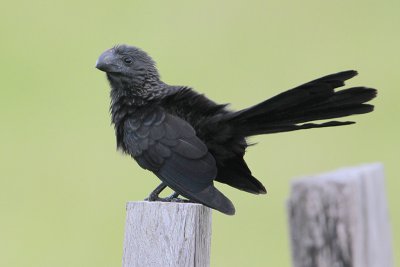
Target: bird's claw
[165,199]
[171,198]
[152,198]
[176,199]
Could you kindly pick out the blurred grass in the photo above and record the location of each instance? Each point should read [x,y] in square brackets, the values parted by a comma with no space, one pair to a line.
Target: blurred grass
[63,187]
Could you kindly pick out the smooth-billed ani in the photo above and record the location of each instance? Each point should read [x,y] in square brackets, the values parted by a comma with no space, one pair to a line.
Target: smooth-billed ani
[189,141]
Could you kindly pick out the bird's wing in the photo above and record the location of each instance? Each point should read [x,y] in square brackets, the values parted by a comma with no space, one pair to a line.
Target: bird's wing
[168,146]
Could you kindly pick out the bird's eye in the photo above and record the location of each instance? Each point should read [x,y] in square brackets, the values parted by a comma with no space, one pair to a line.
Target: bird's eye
[127,60]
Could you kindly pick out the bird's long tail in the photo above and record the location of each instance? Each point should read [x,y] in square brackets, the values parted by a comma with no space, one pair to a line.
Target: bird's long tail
[315,100]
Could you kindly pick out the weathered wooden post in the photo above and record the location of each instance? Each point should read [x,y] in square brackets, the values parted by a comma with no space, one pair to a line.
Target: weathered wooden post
[341,219]
[167,234]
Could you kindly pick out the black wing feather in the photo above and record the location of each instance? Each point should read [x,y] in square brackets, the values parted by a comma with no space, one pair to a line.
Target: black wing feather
[168,146]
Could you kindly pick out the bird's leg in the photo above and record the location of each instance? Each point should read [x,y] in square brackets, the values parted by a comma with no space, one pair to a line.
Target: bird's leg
[154,195]
[173,197]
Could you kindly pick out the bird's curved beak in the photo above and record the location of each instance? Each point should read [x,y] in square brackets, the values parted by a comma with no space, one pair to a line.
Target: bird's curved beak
[106,62]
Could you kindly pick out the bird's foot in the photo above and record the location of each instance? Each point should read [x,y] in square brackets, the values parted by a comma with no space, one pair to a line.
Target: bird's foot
[154,195]
[172,198]
[151,198]
[175,199]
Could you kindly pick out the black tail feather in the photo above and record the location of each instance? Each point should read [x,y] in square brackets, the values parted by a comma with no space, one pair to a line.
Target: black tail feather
[315,100]
[236,173]
[295,127]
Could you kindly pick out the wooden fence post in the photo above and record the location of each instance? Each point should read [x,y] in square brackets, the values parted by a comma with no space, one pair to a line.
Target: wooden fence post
[167,234]
[340,219]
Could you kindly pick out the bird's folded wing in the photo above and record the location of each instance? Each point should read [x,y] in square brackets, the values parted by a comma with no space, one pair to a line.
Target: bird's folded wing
[168,146]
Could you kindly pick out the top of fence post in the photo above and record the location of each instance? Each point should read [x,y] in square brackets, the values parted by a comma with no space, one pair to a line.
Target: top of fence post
[167,234]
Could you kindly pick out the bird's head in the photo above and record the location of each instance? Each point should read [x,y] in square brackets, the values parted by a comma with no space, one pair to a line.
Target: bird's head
[127,62]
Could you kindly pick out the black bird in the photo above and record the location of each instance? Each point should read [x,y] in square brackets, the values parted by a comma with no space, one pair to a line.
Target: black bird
[189,141]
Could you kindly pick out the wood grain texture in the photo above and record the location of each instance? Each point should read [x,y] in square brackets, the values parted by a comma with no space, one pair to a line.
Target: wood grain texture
[167,234]
[340,219]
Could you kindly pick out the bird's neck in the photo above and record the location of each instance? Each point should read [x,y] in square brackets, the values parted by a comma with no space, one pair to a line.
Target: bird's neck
[128,96]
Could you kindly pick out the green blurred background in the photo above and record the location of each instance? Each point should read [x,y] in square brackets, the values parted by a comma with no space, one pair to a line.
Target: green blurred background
[63,186]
